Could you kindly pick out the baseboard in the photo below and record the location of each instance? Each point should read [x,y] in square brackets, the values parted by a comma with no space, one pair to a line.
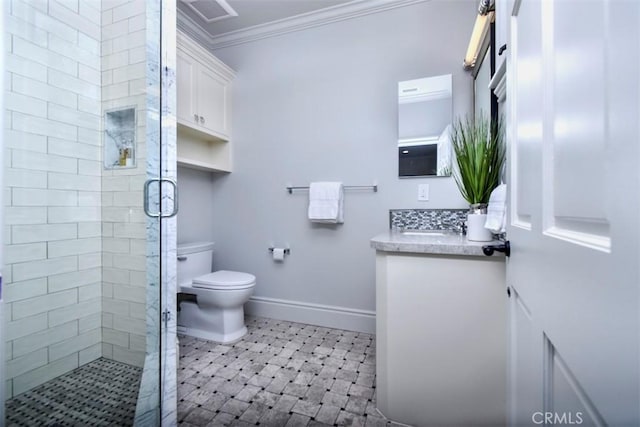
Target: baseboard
[329,316]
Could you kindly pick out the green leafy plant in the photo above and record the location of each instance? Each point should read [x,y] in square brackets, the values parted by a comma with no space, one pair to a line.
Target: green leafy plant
[480,154]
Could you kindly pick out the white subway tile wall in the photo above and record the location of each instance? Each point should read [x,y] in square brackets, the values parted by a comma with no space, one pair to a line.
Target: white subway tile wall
[123,297]
[75,243]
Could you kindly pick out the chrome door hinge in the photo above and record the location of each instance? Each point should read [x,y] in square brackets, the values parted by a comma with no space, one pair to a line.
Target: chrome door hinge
[166,316]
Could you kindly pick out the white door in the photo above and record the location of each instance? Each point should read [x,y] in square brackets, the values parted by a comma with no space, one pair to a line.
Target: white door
[212,102]
[573,132]
[186,81]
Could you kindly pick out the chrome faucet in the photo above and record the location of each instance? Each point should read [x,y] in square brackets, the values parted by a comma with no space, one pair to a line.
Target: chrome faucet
[462,227]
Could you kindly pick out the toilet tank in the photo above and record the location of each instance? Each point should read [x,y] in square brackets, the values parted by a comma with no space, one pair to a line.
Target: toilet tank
[194,259]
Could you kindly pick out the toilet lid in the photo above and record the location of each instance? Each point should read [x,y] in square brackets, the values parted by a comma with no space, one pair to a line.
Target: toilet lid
[224,279]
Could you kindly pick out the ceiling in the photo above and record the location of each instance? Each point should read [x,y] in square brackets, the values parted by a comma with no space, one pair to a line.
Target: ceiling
[251,12]
[233,22]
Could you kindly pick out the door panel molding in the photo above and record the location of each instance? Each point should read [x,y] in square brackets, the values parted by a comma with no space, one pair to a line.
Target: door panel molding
[560,381]
[587,240]
[575,109]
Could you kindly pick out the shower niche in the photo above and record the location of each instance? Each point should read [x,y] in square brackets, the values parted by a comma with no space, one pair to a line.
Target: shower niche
[120,138]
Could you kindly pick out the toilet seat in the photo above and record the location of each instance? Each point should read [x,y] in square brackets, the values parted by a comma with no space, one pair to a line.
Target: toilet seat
[224,280]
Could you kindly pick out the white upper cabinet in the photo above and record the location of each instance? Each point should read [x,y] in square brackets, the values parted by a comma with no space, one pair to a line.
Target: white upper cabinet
[203,108]
[204,90]
[187,110]
[214,102]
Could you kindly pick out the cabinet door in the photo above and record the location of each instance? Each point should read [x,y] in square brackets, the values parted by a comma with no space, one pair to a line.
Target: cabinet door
[213,102]
[186,80]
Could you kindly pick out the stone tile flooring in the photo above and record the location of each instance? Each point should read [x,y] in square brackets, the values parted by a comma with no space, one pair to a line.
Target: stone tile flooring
[279,374]
[101,393]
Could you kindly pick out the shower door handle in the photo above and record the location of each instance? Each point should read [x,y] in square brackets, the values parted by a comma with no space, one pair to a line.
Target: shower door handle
[145,196]
[160,214]
[174,185]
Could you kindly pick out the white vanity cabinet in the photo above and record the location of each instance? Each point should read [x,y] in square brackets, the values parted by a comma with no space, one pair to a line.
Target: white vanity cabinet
[440,331]
[203,107]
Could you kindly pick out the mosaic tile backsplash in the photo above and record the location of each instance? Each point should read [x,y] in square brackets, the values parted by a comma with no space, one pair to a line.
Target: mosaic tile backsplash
[427,219]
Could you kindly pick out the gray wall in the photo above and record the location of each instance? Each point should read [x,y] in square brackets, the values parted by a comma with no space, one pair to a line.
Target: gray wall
[318,105]
[196,199]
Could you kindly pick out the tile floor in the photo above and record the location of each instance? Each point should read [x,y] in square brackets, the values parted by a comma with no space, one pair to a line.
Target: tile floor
[101,393]
[280,374]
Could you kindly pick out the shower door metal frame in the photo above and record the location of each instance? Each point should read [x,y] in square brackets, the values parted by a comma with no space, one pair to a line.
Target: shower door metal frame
[168,225]
[2,345]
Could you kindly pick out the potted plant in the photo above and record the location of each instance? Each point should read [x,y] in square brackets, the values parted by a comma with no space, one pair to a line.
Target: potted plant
[480,155]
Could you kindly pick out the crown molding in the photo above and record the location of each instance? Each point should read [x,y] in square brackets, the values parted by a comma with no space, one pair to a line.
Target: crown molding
[196,50]
[192,29]
[350,10]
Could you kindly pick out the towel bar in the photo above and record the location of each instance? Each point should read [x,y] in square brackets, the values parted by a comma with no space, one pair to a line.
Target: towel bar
[373,187]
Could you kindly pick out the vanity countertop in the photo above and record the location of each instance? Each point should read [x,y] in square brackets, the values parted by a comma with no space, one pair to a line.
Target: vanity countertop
[447,244]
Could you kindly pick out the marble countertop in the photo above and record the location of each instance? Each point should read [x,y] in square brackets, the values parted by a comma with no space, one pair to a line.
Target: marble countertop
[448,244]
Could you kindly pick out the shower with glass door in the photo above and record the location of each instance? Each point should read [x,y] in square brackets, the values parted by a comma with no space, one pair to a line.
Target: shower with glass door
[88,212]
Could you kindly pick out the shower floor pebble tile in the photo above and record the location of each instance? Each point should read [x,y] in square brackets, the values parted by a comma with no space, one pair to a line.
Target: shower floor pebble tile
[101,393]
[279,374]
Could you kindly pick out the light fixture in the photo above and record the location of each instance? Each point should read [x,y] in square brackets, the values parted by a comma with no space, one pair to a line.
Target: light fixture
[480,29]
[485,7]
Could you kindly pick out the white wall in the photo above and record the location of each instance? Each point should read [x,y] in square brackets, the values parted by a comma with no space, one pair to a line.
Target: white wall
[321,104]
[52,191]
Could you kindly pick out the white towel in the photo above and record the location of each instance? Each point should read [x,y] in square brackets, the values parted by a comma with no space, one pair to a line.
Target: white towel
[497,210]
[326,202]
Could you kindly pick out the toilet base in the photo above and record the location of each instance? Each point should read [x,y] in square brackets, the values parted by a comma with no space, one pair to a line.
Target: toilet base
[203,320]
[212,336]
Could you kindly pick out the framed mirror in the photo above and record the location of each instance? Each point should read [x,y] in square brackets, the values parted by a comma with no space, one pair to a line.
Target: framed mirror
[425,110]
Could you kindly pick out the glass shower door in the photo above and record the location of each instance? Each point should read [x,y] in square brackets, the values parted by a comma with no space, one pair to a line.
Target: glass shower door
[83,265]
[162,199]
[158,390]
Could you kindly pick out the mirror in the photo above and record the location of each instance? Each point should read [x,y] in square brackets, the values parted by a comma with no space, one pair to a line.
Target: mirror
[482,93]
[425,109]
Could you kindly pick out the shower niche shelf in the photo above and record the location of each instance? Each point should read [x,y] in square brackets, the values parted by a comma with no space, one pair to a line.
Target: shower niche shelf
[120,138]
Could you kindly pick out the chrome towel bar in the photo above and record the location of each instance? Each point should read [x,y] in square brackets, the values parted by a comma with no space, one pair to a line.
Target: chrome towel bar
[373,187]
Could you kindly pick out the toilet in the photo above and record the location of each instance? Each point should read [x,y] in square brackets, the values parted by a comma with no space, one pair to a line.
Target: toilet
[213,307]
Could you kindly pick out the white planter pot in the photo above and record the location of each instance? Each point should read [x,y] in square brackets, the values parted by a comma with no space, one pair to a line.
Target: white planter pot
[475,228]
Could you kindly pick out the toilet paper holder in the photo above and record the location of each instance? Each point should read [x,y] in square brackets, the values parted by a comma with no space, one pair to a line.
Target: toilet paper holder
[286,250]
